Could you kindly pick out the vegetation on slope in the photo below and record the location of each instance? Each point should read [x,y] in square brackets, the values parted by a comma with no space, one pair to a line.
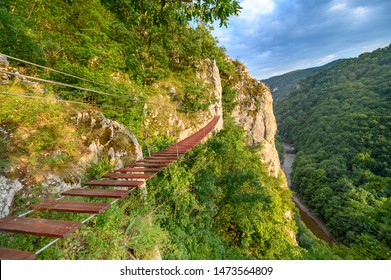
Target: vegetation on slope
[218,202]
[340,122]
[282,85]
[139,51]
[131,45]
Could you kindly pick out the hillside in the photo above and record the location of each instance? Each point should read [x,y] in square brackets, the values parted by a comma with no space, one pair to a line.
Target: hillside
[152,80]
[282,85]
[340,122]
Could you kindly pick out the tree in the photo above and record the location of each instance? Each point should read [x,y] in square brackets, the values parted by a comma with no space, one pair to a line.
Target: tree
[163,11]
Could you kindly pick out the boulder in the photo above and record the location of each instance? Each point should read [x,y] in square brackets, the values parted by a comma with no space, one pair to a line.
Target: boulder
[3,62]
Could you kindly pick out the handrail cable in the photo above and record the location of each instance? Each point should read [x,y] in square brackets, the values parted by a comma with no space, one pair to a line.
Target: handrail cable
[67,74]
[91,90]
[65,85]
[62,100]
[185,109]
[83,222]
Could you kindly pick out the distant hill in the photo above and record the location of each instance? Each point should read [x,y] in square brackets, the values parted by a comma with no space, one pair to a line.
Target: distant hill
[281,85]
[340,122]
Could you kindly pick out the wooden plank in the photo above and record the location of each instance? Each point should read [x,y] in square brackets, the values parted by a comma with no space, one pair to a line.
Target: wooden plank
[179,147]
[164,154]
[141,164]
[96,193]
[115,183]
[183,146]
[129,176]
[11,254]
[173,158]
[40,227]
[140,169]
[180,150]
[155,161]
[71,206]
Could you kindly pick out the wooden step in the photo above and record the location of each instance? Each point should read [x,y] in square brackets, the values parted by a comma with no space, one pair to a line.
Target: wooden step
[168,154]
[183,146]
[179,146]
[129,176]
[173,150]
[11,254]
[140,169]
[141,164]
[155,161]
[173,158]
[115,183]
[71,206]
[41,227]
[96,193]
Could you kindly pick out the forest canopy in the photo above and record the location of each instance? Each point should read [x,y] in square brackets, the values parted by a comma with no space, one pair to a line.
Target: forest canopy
[340,122]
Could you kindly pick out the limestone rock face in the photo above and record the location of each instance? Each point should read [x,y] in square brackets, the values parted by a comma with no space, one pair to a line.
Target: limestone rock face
[254,112]
[8,189]
[109,137]
[165,120]
[3,62]
[209,73]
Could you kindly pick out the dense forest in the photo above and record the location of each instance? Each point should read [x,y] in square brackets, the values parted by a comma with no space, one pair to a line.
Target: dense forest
[282,85]
[339,119]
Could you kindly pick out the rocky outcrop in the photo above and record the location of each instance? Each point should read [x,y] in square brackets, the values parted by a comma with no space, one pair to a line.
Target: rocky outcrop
[161,118]
[8,189]
[254,112]
[108,137]
[209,73]
[3,62]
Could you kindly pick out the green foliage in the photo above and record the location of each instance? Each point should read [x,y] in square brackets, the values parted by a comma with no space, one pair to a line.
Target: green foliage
[43,138]
[340,122]
[279,147]
[132,45]
[19,37]
[219,203]
[228,99]
[196,98]
[162,12]
[282,85]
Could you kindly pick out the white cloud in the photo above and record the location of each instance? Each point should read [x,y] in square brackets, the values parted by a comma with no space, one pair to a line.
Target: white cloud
[253,9]
[338,6]
[361,11]
[277,36]
[327,58]
[223,36]
[264,55]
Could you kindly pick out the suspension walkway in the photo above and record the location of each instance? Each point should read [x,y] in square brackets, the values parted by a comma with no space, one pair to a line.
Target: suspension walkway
[133,176]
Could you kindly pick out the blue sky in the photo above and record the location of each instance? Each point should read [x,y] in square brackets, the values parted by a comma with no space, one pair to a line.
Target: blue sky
[272,37]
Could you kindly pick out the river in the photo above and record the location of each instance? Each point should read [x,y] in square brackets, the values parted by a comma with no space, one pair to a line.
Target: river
[316,225]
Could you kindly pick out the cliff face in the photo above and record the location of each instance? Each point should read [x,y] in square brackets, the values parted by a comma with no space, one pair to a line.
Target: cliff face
[254,112]
[211,75]
[177,124]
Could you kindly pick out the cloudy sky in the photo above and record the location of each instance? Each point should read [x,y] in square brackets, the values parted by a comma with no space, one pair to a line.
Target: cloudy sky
[272,37]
